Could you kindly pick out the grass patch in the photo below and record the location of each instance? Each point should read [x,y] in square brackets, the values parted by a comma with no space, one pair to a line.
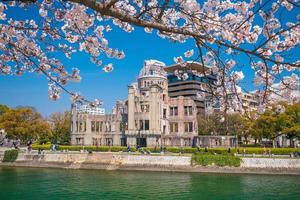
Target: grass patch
[10,155]
[216,159]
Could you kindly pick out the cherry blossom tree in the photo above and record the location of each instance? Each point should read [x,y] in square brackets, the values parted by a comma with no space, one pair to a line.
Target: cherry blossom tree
[223,31]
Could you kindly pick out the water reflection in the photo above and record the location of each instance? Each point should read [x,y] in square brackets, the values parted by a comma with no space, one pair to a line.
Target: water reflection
[24,183]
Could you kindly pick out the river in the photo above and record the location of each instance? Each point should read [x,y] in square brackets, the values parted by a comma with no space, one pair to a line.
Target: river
[40,183]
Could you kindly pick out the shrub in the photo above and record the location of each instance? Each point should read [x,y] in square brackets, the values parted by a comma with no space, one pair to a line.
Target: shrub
[222,150]
[195,150]
[42,147]
[277,151]
[189,150]
[173,149]
[88,148]
[216,159]
[249,150]
[251,145]
[10,155]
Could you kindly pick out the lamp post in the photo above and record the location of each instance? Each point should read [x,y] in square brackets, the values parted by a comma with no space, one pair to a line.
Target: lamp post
[139,138]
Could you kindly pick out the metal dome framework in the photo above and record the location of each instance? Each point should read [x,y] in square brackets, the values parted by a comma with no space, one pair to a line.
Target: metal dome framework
[153,68]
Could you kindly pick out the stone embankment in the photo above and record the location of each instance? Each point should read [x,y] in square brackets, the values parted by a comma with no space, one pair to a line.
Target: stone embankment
[285,163]
[127,161]
[102,160]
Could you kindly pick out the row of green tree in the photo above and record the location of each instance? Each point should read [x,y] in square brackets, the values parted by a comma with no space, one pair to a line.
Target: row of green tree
[278,119]
[25,123]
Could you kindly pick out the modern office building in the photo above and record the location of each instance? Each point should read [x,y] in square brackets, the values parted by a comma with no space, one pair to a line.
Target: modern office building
[239,102]
[250,101]
[199,80]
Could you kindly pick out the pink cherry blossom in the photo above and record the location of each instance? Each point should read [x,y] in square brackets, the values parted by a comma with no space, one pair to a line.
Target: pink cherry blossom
[189,53]
[178,59]
[108,67]
[229,36]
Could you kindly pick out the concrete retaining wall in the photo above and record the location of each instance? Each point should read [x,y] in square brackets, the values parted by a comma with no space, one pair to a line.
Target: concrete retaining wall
[157,160]
[114,159]
[270,163]
[109,160]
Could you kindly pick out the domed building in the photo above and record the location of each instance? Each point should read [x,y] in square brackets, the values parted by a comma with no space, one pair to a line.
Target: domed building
[153,68]
[149,117]
[152,73]
[148,105]
[153,118]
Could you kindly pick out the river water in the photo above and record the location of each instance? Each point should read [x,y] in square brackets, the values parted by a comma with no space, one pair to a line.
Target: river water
[36,183]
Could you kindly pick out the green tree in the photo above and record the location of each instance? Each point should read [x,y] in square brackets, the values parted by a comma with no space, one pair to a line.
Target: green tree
[230,124]
[211,124]
[205,125]
[3,109]
[60,123]
[275,121]
[233,124]
[25,124]
[244,125]
[264,127]
[292,119]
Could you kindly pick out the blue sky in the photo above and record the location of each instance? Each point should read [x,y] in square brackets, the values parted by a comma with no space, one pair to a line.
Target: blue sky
[32,89]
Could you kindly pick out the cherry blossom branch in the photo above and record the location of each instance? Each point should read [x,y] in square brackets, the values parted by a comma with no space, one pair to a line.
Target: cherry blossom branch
[215,27]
